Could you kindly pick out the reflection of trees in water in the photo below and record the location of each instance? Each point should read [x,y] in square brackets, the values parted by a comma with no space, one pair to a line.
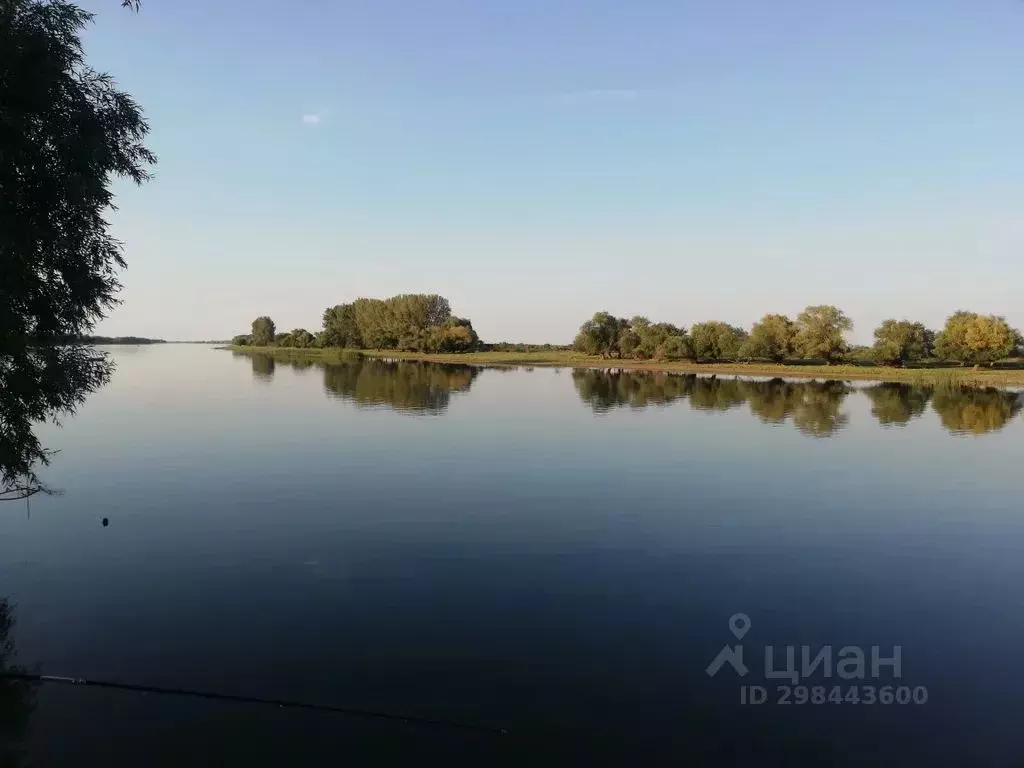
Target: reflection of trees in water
[714,394]
[813,406]
[17,698]
[771,401]
[816,412]
[39,383]
[263,367]
[897,404]
[607,389]
[402,385]
[975,411]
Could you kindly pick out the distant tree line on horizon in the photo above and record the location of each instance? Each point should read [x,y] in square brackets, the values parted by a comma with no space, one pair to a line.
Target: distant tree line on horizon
[424,323]
[410,322]
[114,340]
[818,333]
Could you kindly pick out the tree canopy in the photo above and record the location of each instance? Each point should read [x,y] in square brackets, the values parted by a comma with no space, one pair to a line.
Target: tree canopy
[66,132]
[639,338]
[771,338]
[600,335]
[970,338]
[898,342]
[819,333]
[340,327]
[263,332]
[409,322]
[715,340]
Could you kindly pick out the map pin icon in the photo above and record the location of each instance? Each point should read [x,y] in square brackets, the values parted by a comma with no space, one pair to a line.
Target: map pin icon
[739,625]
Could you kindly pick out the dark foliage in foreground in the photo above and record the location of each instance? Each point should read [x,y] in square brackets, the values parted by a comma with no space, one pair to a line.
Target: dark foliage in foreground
[65,133]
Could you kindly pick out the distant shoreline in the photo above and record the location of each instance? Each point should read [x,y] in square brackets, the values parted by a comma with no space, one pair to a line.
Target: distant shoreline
[990,377]
[131,341]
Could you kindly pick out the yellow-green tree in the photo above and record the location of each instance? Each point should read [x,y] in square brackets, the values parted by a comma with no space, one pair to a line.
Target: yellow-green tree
[898,342]
[456,334]
[819,333]
[645,340]
[715,340]
[772,338]
[970,338]
[600,335]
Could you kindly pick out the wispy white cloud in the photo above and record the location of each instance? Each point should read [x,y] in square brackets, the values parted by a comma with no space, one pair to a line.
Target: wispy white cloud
[594,95]
[313,118]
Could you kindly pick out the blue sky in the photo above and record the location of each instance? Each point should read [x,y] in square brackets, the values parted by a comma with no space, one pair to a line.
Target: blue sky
[536,161]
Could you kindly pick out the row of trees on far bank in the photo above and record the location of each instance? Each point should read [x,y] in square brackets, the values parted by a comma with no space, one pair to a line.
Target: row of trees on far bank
[412,322]
[818,333]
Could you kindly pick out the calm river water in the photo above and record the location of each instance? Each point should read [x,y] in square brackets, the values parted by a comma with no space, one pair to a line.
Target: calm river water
[560,554]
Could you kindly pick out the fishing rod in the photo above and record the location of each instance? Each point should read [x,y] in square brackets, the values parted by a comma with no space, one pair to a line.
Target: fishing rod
[283,703]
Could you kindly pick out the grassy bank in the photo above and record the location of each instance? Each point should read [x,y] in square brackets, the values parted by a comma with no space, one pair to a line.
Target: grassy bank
[994,377]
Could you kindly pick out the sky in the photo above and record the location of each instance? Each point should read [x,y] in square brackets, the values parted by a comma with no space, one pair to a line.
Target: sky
[538,161]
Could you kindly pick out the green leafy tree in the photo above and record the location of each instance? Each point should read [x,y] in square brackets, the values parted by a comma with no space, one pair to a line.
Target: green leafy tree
[970,338]
[302,339]
[819,333]
[637,338]
[898,342]
[375,323]
[241,340]
[629,337]
[456,334]
[661,341]
[676,346]
[66,132]
[600,335]
[716,340]
[411,321]
[772,338]
[263,332]
[412,316]
[341,328]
